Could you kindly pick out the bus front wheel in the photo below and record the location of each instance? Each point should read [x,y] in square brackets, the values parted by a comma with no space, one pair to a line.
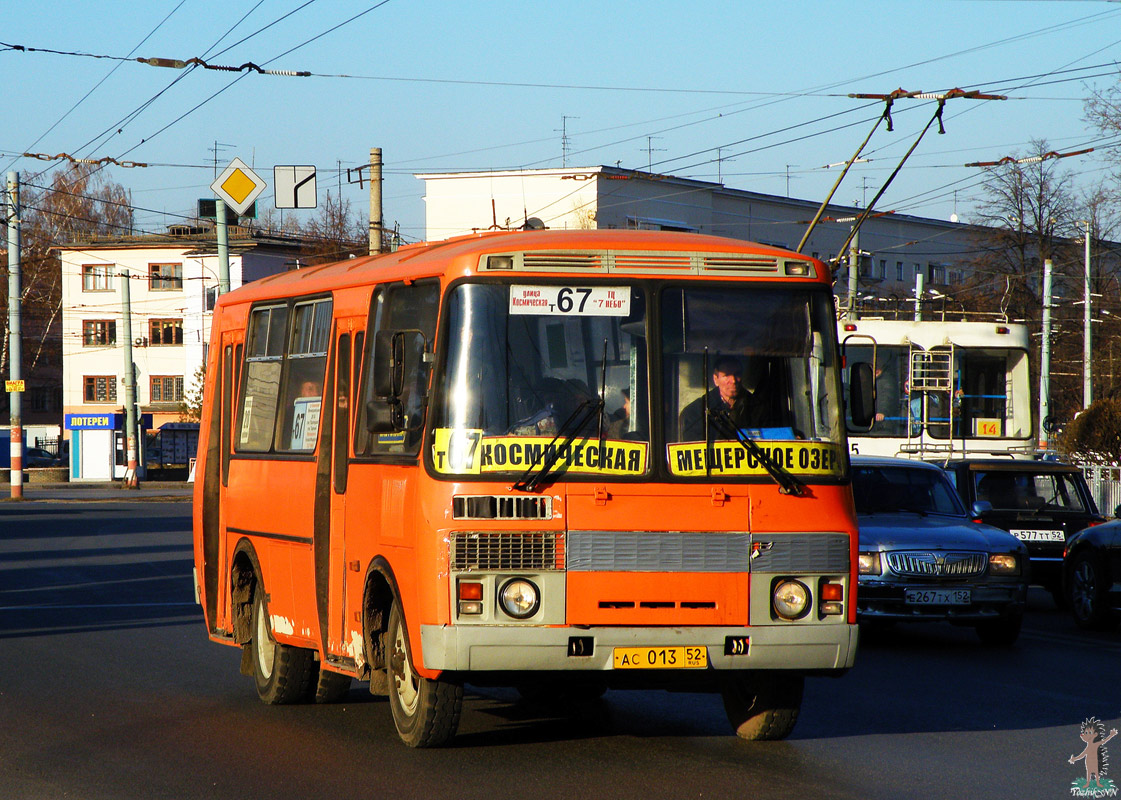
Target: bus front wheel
[425,710]
[282,673]
[761,706]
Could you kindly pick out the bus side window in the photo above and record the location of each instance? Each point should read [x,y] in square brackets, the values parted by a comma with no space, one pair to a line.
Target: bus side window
[413,307]
[302,407]
[265,358]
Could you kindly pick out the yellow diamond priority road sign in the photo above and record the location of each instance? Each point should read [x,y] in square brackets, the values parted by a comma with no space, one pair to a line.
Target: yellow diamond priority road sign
[238,186]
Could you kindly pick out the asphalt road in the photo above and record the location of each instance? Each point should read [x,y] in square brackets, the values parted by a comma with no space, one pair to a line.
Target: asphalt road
[109,688]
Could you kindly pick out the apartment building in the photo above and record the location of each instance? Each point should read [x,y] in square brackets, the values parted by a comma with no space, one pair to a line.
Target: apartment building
[173,283]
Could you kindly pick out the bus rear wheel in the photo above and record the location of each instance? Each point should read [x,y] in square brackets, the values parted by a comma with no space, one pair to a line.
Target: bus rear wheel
[326,686]
[425,710]
[763,707]
[282,673]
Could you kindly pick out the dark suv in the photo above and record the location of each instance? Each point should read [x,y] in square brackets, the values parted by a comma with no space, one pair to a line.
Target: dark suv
[1042,503]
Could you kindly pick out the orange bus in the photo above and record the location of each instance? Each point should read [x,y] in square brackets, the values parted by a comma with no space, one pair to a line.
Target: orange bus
[558,461]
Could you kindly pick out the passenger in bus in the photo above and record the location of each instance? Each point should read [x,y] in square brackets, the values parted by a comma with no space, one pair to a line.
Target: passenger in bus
[310,389]
[744,393]
[620,423]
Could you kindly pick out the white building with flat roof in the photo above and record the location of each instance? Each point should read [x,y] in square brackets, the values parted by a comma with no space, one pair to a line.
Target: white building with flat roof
[895,247]
[173,281]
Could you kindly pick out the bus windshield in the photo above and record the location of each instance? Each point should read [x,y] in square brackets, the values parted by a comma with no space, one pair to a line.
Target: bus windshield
[527,365]
[526,368]
[749,363]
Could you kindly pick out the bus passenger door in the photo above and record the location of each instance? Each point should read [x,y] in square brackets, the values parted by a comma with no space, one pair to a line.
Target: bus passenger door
[337,638]
[218,473]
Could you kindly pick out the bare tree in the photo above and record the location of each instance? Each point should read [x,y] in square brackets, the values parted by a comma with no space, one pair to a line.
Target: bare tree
[74,202]
[338,231]
[1028,211]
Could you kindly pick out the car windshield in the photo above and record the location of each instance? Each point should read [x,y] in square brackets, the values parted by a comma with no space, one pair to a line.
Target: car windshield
[1026,490]
[883,489]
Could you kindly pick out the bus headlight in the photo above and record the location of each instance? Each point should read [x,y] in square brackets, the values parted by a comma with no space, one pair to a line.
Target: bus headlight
[791,599]
[519,598]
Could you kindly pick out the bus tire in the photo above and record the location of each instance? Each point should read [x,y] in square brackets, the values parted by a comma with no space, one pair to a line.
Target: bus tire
[763,707]
[282,673]
[425,711]
[327,686]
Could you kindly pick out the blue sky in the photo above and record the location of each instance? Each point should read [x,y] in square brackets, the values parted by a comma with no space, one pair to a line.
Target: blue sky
[756,91]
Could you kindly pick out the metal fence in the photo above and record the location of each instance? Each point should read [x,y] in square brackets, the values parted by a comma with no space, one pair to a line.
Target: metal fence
[1105,486]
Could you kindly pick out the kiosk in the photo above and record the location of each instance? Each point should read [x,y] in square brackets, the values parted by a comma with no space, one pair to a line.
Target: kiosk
[97,445]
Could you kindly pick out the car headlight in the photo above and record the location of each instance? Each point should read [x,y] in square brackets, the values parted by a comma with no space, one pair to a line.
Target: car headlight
[869,563]
[519,598]
[791,599]
[1004,564]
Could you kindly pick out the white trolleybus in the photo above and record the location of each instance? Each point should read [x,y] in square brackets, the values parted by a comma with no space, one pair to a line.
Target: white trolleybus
[943,389]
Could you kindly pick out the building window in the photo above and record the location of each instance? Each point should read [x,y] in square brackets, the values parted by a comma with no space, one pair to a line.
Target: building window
[100,388]
[899,270]
[99,332]
[210,298]
[95,278]
[883,269]
[167,389]
[165,277]
[165,331]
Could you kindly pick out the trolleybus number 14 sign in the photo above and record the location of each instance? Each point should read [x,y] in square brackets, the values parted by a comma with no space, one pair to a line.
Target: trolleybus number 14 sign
[571,301]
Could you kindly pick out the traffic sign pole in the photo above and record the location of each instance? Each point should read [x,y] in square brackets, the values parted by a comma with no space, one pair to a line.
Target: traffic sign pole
[223,247]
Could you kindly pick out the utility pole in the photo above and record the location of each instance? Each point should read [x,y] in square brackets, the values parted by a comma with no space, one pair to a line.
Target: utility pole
[376,223]
[1087,385]
[1045,357]
[854,274]
[15,344]
[918,294]
[132,478]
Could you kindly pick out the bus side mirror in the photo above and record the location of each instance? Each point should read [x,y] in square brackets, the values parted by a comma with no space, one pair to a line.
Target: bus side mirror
[862,395]
[384,416]
[389,363]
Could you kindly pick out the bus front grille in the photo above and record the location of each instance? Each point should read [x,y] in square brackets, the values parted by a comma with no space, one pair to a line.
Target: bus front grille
[507,550]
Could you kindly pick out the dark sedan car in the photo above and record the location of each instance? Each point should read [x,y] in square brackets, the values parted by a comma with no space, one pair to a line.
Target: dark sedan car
[1091,570]
[1043,503]
[37,457]
[922,558]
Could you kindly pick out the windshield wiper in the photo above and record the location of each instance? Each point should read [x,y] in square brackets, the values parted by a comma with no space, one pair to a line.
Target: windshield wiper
[539,470]
[787,483]
[534,475]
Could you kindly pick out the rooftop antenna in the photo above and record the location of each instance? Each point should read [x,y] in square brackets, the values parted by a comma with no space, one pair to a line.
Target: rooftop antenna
[565,143]
[650,149]
[218,146]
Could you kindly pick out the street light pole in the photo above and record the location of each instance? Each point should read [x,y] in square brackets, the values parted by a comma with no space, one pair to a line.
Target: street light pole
[1045,357]
[1087,388]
